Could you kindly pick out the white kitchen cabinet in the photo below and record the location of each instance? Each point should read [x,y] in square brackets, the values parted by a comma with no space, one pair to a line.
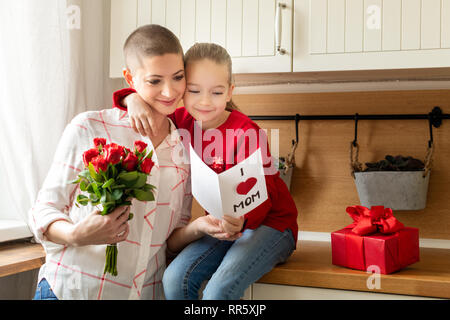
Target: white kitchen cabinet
[246,28]
[331,35]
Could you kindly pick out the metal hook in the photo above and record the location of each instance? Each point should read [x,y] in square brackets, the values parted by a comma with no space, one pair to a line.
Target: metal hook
[436,117]
[297,120]
[356,130]
[430,124]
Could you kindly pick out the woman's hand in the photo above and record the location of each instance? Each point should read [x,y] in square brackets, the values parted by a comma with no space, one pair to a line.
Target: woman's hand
[141,115]
[98,229]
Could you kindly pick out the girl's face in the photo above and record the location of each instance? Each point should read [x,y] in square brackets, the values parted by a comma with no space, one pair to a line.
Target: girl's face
[207,92]
[160,82]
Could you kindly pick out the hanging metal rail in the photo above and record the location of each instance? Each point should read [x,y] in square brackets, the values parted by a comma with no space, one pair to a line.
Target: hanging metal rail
[435,117]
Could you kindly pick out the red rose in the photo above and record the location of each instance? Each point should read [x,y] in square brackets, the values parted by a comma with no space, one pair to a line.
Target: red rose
[126,151]
[140,145]
[112,146]
[112,155]
[100,163]
[217,165]
[130,162]
[89,155]
[147,165]
[99,141]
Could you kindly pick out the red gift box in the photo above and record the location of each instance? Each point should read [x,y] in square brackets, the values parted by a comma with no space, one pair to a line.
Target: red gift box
[375,238]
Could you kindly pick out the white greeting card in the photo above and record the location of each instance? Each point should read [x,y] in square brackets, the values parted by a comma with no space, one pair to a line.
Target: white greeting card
[235,191]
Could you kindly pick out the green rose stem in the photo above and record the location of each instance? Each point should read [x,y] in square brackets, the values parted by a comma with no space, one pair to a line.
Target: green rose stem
[111,259]
[111,256]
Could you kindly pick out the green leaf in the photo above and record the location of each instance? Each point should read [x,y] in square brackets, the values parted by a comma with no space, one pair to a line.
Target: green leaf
[96,190]
[140,182]
[93,197]
[103,196]
[74,181]
[105,209]
[148,187]
[114,171]
[110,204]
[83,185]
[128,178]
[108,183]
[118,186]
[94,174]
[90,187]
[108,207]
[143,195]
[116,194]
[104,174]
[82,199]
[85,174]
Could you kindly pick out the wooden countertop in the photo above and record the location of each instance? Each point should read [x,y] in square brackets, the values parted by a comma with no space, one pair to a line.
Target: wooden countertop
[311,266]
[21,256]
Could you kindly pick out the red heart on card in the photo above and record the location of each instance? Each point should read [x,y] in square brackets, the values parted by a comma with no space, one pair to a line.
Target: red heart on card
[245,186]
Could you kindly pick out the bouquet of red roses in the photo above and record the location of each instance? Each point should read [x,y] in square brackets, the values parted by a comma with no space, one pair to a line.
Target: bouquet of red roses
[113,175]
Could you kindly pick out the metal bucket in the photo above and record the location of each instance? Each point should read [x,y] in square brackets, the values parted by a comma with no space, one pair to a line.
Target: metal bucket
[398,190]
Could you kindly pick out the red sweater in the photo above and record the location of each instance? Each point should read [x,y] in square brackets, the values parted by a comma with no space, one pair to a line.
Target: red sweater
[279,210]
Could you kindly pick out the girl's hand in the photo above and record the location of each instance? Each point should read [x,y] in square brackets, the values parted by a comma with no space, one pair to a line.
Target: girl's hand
[141,115]
[98,229]
[213,227]
[232,225]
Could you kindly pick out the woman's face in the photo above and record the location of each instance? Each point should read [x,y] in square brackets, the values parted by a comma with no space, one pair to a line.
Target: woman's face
[160,81]
[207,91]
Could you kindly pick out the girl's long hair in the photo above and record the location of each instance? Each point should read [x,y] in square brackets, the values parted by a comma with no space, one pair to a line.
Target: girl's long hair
[216,53]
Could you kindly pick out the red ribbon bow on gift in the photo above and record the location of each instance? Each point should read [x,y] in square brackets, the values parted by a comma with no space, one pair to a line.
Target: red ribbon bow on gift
[377,218]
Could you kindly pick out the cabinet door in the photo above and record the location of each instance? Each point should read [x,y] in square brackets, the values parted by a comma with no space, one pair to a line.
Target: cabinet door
[246,28]
[262,291]
[371,34]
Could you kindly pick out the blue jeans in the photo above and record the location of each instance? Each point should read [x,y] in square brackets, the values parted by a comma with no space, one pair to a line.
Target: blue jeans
[44,292]
[230,266]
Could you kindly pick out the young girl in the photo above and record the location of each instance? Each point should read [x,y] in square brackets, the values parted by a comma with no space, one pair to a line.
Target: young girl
[268,234]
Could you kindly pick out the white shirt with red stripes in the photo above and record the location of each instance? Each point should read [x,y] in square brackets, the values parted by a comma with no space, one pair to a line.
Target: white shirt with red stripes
[77,272]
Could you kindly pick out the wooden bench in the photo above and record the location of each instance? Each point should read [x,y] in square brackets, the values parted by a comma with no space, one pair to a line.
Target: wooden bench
[309,266]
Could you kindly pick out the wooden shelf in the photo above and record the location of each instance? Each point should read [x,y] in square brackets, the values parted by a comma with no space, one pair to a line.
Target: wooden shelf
[311,266]
[18,257]
[322,77]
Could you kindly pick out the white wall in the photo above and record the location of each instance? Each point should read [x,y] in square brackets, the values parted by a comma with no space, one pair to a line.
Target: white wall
[97,40]
[95,17]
